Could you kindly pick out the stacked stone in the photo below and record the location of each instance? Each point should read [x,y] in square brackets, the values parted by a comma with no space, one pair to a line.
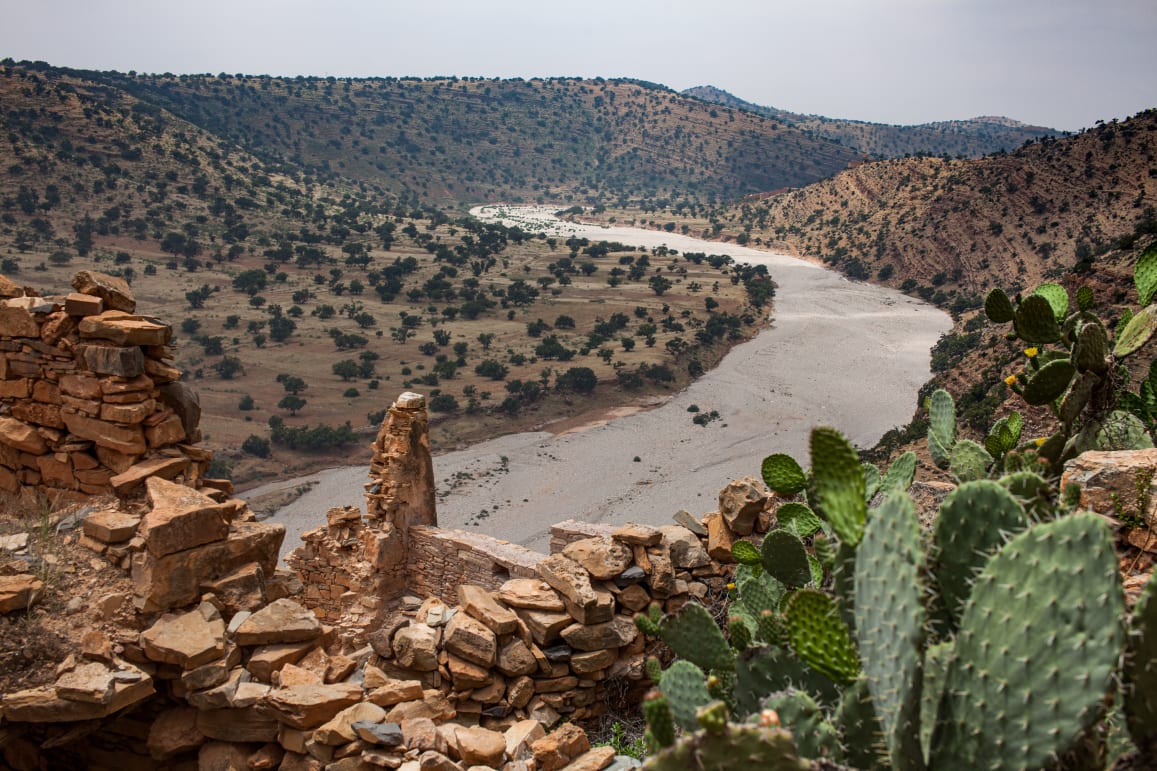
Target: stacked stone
[88,403]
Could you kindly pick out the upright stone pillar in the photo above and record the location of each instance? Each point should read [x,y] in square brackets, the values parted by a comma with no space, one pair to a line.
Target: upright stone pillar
[400,492]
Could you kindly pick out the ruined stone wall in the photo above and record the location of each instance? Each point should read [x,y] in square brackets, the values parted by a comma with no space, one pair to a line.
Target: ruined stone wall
[439,560]
[88,403]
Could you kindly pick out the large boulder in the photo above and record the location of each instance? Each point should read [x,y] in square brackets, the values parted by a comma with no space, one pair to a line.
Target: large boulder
[114,291]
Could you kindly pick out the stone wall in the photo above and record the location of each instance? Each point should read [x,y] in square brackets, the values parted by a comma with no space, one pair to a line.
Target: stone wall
[89,404]
[439,560]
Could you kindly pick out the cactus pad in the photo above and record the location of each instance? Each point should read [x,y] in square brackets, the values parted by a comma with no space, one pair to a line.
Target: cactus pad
[942,417]
[1084,298]
[819,637]
[1035,320]
[798,712]
[782,474]
[1038,645]
[1049,382]
[969,461]
[745,553]
[785,558]
[765,669]
[871,480]
[1139,680]
[975,520]
[839,483]
[936,659]
[660,723]
[799,519]
[1145,275]
[1057,298]
[1092,349]
[890,622]
[733,748]
[1078,396]
[860,729]
[693,635]
[684,685]
[998,307]
[900,474]
[739,632]
[760,593]
[1137,332]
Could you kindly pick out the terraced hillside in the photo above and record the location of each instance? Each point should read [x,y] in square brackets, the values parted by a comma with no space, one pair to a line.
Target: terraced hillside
[971,138]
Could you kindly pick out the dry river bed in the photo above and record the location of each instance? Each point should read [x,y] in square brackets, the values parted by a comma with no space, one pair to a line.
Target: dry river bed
[838,353]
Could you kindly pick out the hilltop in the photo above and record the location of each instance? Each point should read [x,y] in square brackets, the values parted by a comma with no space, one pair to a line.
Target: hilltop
[969,138]
[454,140]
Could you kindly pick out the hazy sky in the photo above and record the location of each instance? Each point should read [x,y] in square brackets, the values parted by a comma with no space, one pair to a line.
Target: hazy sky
[1060,63]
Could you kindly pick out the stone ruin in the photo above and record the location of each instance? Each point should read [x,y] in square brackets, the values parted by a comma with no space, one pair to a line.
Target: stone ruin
[89,404]
[389,642]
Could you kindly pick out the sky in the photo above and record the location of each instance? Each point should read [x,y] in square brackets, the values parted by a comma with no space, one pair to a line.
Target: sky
[1058,63]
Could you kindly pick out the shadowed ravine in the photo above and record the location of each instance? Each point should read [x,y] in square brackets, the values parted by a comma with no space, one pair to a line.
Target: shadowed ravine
[838,353]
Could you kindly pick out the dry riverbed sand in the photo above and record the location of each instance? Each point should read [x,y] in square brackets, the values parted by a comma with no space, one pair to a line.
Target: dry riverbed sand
[838,353]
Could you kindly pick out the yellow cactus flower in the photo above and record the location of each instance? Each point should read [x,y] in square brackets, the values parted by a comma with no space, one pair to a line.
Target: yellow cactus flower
[1039,441]
[731,587]
[1010,380]
[1031,352]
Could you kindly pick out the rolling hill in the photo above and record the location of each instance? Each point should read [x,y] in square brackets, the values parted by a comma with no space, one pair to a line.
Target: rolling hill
[970,138]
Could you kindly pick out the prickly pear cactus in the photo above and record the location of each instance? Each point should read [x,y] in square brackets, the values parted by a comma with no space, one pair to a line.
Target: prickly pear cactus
[819,637]
[1057,297]
[660,723]
[860,729]
[1038,645]
[798,518]
[941,427]
[685,687]
[890,623]
[760,594]
[1145,275]
[798,712]
[734,748]
[839,483]
[1035,321]
[1139,678]
[693,635]
[1136,332]
[745,553]
[785,558]
[998,307]
[765,669]
[900,474]
[969,461]
[1092,349]
[975,520]
[1048,384]
[782,474]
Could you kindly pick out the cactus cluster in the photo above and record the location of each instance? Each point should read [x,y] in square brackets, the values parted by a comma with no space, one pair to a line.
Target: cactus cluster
[998,644]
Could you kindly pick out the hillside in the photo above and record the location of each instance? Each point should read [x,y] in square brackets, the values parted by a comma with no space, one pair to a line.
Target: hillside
[970,138]
[270,274]
[451,140]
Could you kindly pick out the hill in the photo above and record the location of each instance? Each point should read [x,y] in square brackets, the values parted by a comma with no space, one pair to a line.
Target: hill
[970,138]
[297,299]
[453,140]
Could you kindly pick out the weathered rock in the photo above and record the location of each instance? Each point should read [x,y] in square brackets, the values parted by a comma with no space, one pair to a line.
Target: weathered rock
[267,659]
[603,558]
[592,760]
[380,734]
[719,538]
[481,604]
[17,322]
[662,576]
[42,705]
[19,591]
[531,594]
[113,291]
[432,705]
[240,589]
[124,329]
[740,503]
[1121,485]
[181,518]
[636,535]
[221,696]
[91,682]
[469,639]
[585,663]
[520,736]
[482,747]
[466,674]
[545,626]
[174,732]
[184,402]
[688,520]
[76,304]
[515,658]
[292,674]
[340,728]
[559,747]
[237,725]
[9,288]
[634,597]
[436,761]
[420,733]
[570,580]
[416,647]
[223,756]
[612,634]
[114,360]
[519,692]
[686,550]
[186,639]
[176,579]
[128,440]
[308,706]
[164,432]
[21,436]
[110,526]
[602,609]
[281,621]
[393,692]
